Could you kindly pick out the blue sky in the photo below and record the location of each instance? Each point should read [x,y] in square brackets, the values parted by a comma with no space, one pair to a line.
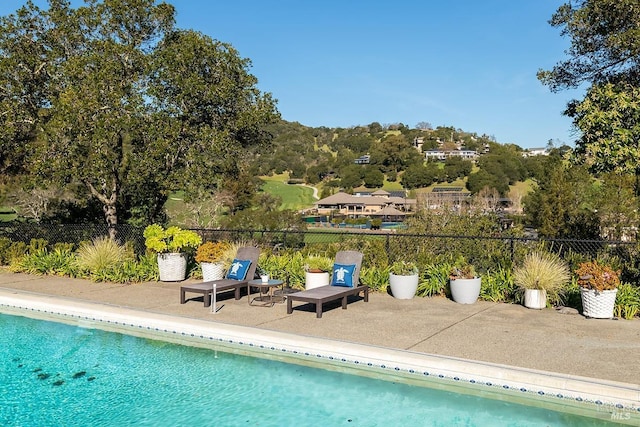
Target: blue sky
[340,63]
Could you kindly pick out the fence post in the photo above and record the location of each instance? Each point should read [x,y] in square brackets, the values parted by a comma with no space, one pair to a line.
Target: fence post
[387,247]
[513,251]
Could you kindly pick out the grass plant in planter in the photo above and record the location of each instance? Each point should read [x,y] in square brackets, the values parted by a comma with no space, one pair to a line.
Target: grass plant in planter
[316,271]
[598,288]
[542,275]
[172,245]
[464,283]
[210,255]
[403,279]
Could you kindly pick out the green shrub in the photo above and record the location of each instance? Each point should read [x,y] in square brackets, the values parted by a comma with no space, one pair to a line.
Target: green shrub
[627,301]
[5,244]
[16,252]
[59,262]
[498,286]
[36,245]
[376,277]
[434,280]
[275,265]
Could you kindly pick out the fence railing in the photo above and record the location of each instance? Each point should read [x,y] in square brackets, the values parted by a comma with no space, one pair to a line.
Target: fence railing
[485,252]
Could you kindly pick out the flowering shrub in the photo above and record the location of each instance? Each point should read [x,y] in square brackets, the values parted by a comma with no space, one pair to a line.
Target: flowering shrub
[592,275]
[211,251]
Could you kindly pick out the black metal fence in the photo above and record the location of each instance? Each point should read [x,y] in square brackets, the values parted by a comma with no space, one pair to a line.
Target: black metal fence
[379,247]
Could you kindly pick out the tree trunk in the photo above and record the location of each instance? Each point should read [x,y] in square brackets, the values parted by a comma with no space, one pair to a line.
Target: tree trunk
[108,205]
[111,216]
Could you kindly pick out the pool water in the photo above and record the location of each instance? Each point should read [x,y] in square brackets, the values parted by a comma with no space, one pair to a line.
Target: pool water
[55,374]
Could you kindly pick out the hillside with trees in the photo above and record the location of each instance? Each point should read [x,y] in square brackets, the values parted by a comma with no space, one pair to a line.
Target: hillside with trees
[395,153]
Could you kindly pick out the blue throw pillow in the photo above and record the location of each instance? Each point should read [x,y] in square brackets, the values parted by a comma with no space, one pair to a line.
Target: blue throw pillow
[238,269]
[343,275]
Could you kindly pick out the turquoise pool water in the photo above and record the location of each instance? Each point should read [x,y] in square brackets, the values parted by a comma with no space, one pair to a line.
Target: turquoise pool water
[54,374]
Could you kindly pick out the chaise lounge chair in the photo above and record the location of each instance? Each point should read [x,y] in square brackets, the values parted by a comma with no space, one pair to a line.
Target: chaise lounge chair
[206,288]
[347,264]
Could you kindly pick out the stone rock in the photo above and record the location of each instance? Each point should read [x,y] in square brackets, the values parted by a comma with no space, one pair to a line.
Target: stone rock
[566,310]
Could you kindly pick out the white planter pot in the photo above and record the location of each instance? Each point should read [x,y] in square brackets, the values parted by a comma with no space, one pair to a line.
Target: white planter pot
[403,287]
[598,304]
[465,291]
[172,267]
[315,280]
[212,271]
[535,298]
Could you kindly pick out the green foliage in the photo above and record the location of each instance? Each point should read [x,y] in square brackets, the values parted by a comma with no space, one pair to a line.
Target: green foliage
[173,239]
[376,277]
[275,265]
[5,244]
[561,207]
[603,37]
[373,178]
[15,252]
[418,175]
[485,254]
[118,142]
[498,286]
[394,153]
[404,268]
[434,280]
[58,262]
[129,271]
[259,219]
[36,245]
[608,119]
[295,269]
[318,263]
[627,303]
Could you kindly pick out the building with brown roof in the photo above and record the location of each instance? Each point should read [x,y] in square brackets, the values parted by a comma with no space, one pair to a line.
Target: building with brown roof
[364,205]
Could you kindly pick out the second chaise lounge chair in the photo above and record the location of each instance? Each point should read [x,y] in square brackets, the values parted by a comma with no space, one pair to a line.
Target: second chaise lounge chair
[347,263]
[206,288]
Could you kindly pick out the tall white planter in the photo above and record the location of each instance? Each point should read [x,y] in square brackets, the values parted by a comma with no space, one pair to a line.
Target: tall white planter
[212,271]
[172,267]
[315,280]
[465,291]
[403,287]
[535,298]
[598,304]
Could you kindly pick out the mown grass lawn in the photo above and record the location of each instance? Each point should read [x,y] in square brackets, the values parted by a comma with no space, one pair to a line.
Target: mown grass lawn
[293,197]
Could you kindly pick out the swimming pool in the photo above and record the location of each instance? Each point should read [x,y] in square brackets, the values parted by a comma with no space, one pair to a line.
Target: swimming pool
[273,404]
[57,374]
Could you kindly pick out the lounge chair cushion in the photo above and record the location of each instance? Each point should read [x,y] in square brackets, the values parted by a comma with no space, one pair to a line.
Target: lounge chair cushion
[238,269]
[343,275]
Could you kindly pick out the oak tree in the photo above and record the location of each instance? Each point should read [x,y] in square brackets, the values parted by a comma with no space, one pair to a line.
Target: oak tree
[128,106]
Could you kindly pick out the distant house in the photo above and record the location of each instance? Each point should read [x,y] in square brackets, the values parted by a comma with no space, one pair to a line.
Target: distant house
[378,203]
[363,160]
[535,152]
[443,155]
